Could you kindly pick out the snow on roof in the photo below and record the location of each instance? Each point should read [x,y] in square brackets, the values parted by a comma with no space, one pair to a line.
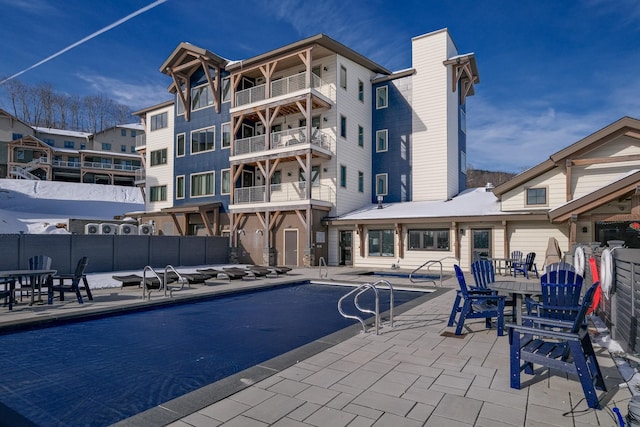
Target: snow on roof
[52,131]
[111,153]
[134,126]
[470,202]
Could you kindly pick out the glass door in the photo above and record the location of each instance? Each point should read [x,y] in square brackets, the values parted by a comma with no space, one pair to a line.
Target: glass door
[346,238]
[480,244]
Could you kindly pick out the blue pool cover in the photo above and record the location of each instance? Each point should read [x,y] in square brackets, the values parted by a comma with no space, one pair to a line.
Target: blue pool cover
[97,372]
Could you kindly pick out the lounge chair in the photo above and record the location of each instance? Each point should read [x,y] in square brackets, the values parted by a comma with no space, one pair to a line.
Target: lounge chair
[236,272]
[129,280]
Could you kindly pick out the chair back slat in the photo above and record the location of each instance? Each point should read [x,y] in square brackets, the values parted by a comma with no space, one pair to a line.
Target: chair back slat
[483,273]
[516,256]
[82,264]
[531,257]
[560,300]
[559,266]
[40,262]
[461,281]
[562,276]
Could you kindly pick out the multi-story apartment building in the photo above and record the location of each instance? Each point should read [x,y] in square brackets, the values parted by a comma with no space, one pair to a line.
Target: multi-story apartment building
[270,148]
[106,157]
[11,128]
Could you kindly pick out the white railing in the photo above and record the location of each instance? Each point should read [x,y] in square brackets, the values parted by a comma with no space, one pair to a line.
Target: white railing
[141,140]
[110,166]
[284,86]
[140,175]
[20,173]
[285,138]
[284,192]
[66,164]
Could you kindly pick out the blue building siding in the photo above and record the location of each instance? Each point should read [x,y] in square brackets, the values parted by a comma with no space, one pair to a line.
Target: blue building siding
[396,161]
[215,160]
[462,147]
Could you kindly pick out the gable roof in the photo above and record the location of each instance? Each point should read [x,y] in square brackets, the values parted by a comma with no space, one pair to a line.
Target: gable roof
[619,187]
[625,126]
[4,113]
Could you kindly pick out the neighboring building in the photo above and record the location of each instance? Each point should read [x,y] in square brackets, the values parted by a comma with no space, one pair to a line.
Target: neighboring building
[270,149]
[587,192]
[62,155]
[117,139]
[11,128]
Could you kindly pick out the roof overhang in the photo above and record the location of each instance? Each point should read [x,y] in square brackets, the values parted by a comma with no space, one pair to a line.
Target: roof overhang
[195,208]
[615,190]
[464,74]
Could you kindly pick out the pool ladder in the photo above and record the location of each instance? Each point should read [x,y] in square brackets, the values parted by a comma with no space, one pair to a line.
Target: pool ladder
[428,264]
[361,290]
[164,282]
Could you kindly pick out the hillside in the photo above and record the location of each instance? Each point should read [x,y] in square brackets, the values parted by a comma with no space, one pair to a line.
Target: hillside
[38,207]
[480,178]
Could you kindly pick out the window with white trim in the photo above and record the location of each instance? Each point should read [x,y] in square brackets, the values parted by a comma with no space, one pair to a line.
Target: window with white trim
[343,126]
[201,97]
[361,182]
[225,181]
[159,121]
[202,184]
[382,140]
[180,187]
[360,91]
[158,193]
[158,157]
[382,97]
[226,89]
[203,140]
[343,77]
[381,242]
[343,176]
[181,145]
[360,136]
[536,196]
[225,129]
[381,184]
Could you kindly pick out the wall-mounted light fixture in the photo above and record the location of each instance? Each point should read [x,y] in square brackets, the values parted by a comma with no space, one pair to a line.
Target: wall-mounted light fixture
[241,232]
[288,173]
[325,68]
[324,169]
[324,119]
[379,202]
[585,229]
[258,231]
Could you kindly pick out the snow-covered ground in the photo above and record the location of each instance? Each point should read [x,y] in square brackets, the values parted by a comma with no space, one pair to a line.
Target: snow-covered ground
[39,207]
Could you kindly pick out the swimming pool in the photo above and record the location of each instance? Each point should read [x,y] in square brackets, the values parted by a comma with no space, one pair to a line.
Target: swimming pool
[104,370]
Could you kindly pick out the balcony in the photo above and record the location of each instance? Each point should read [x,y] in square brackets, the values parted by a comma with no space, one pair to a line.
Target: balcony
[285,192]
[140,176]
[110,166]
[283,139]
[284,86]
[66,164]
[141,140]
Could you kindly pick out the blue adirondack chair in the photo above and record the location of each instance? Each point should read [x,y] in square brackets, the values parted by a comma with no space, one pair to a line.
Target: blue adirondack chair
[483,274]
[470,304]
[561,345]
[526,266]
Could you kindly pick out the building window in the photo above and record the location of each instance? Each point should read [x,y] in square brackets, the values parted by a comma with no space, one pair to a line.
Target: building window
[83,146]
[536,196]
[226,89]
[381,242]
[343,77]
[381,184]
[343,176]
[16,136]
[360,91]
[133,149]
[429,240]
[315,176]
[225,181]
[343,126]
[133,134]
[202,184]
[180,187]
[463,162]
[123,132]
[382,140]
[159,121]
[382,97]
[361,182]
[158,194]
[179,106]
[49,141]
[225,128]
[159,157]
[201,97]
[360,136]
[203,140]
[276,180]
[123,148]
[69,144]
[180,145]
[106,146]
[463,121]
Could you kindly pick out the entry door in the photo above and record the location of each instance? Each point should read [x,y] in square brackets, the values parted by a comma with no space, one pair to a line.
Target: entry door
[291,247]
[346,238]
[481,244]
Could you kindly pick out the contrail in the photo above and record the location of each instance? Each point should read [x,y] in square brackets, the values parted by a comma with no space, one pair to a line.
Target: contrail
[97,33]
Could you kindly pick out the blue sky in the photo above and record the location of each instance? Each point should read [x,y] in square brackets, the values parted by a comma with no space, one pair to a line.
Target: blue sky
[551,72]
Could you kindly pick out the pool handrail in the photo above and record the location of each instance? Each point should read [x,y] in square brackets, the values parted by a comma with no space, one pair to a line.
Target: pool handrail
[359,289]
[181,280]
[321,263]
[428,264]
[144,282]
[387,284]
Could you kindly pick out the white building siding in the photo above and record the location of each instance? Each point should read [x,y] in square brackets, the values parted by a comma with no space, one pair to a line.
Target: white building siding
[160,175]
[453,163]
[430,129]
[528,237]
[348,152]
[555,183]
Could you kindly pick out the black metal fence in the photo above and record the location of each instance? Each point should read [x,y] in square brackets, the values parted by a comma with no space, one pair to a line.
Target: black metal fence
[112,253]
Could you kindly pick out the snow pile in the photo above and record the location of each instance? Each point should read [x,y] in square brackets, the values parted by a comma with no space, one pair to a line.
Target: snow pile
[44,207]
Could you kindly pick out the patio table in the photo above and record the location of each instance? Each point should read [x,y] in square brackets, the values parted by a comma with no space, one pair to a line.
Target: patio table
[502,265]
[33,275]
[517,289]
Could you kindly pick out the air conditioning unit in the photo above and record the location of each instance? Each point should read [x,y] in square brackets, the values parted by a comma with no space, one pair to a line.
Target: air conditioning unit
[108,228]
[92,229]
[128,230]
[145,229]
